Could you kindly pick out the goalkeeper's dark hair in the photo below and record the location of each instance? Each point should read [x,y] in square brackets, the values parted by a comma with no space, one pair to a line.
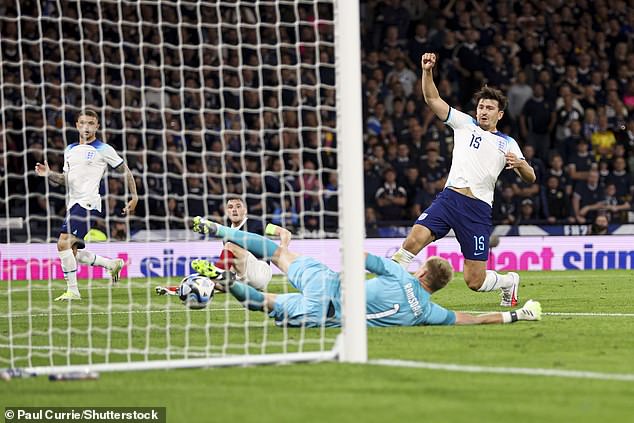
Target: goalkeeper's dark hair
[439,273]
[88,112]
[234,197]
[490,93]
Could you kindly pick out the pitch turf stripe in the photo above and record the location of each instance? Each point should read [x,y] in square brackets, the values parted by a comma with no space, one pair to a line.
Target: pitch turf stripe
[564,313]
[573,374]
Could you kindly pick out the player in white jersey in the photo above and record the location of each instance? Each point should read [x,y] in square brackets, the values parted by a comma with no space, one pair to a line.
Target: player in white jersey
[85,164]
[480,154]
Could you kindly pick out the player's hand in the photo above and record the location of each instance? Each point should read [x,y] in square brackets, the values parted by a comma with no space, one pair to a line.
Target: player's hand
[129,209]
[199,226]
[532,310]
[512,161]
[42,169]
[428,61]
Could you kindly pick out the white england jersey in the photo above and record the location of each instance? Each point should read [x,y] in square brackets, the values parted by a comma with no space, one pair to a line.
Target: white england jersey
[84,167]
[478,156]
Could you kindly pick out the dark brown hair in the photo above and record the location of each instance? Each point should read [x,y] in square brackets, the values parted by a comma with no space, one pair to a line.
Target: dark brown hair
[88,112]
[489,93]
[234,197]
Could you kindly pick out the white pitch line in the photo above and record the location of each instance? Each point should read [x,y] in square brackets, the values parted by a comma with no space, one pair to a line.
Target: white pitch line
[563,313]
[576,374]
[590,314]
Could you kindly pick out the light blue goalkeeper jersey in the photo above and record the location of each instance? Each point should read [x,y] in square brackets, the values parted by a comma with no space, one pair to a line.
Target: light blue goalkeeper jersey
[396,298]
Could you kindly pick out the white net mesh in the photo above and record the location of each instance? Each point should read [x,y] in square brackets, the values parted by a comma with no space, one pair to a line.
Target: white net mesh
[203,100]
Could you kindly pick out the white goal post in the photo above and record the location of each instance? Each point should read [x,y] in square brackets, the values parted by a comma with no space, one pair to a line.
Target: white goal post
[206,99]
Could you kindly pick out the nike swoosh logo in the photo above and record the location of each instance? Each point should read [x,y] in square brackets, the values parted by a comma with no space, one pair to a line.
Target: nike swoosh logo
[478,254]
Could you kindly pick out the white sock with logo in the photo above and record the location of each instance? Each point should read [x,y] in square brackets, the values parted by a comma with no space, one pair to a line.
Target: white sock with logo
[403,257]
[495,280]
[92,259]
[69,266]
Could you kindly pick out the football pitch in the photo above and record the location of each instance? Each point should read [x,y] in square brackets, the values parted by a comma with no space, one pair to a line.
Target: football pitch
[577,364]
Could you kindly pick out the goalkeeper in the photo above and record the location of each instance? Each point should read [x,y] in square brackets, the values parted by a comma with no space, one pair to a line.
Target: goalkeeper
[250,269]
[393,298]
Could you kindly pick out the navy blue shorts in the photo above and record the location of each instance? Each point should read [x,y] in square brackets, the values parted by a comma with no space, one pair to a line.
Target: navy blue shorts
[470,219]
[78,222]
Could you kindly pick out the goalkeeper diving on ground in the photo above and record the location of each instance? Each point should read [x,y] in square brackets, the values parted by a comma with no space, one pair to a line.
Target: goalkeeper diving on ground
[393,298]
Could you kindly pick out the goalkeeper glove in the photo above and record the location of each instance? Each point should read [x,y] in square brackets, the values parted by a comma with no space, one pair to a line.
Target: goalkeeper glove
[532,310]
[203,226]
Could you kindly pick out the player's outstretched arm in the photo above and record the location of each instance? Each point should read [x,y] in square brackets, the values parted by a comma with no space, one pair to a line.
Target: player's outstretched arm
[532,310]
[430,92]
[45,171]
[284,234]
[131,206]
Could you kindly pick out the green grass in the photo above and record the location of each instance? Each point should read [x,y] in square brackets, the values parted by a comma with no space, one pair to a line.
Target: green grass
[343,392]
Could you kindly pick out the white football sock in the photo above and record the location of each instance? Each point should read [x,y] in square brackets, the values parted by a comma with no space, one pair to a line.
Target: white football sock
[403,257]
[495,280]
[92,259]
[69,266]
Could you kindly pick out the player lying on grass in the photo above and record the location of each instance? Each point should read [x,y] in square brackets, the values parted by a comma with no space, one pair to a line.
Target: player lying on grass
[85,164]
[480,154]
[393,298]
[252,270]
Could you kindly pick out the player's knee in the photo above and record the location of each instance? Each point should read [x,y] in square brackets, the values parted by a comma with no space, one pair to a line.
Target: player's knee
[63,244]
[237,251]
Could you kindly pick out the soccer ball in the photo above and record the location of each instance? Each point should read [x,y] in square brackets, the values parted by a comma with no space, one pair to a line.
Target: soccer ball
[196,291]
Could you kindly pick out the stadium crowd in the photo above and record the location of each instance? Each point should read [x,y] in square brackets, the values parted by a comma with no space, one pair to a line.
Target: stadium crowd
[200,107]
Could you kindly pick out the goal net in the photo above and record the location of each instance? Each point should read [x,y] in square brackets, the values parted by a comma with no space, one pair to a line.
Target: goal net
[205,100]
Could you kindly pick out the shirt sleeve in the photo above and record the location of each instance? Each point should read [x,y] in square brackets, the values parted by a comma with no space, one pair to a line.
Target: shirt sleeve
[65,167]
[439,315]
[515,149]
[458,120]
[381,266]
[111,157]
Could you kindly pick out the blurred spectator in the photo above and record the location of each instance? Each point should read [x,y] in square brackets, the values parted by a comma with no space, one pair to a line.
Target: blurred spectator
[568,147]
[556,202]
[615,207]
[622,181]
[581,162]
[603,139]
[537,121]
[528,213]
[587,198]
[557,170]
[518,94]
[434,171]
[391,198]
[505,208]
[599,226]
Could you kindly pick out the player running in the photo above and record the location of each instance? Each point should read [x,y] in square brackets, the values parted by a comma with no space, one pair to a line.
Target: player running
[252,270]
[393,298]
[85,164]
[480,154]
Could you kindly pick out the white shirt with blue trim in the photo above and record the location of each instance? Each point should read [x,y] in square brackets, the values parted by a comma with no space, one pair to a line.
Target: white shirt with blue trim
[478,156]
[84,168]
